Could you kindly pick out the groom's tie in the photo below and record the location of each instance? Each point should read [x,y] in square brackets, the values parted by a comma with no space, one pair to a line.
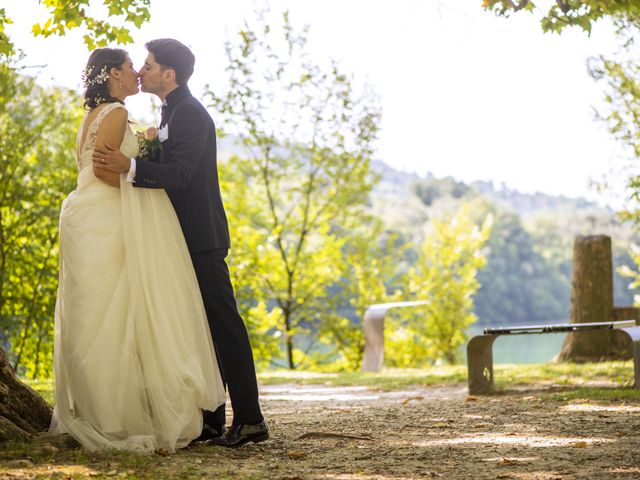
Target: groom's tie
[163,109]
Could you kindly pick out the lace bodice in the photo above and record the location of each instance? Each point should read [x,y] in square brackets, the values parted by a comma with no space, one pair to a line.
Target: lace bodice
[129,145]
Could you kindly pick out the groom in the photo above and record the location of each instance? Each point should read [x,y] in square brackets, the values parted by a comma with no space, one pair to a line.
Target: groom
[186,167]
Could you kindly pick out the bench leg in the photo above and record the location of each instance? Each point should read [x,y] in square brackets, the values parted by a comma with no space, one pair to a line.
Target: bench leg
[633,334]
[480,364]
[373,340]
[635,347]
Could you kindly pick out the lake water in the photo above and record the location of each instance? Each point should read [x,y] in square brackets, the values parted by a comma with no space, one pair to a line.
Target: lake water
[522,348]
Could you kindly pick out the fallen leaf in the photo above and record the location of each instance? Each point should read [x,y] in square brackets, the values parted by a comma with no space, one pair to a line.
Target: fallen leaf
[506,461]
[471,398]
[580,444]
[296,455]
[407,400]
[440,425]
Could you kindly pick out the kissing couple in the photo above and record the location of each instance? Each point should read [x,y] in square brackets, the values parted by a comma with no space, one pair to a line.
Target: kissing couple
[147,331]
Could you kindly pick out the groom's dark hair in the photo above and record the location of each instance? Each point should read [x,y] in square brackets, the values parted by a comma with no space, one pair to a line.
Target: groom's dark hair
[171,54]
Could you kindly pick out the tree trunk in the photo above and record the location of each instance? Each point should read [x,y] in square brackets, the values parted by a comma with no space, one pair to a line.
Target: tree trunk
[592,301]
[288,339]
[23,413]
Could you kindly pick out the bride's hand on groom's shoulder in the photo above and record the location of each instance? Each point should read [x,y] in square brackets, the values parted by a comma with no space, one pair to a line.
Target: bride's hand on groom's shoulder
[110,158]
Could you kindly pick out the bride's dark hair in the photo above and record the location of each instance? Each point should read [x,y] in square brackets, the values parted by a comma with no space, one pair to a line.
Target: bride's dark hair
[96,74]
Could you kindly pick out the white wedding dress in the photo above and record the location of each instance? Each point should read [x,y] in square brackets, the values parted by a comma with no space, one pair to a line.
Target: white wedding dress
[133,358]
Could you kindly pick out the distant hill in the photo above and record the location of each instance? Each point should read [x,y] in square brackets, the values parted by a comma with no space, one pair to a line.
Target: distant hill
[525,204]
[398,184]
[532,230]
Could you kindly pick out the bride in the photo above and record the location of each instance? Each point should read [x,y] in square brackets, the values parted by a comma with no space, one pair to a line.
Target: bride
[134,363]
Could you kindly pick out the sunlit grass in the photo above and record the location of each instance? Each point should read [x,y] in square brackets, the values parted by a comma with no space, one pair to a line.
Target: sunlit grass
[607,380]
[388,379]
[615,373]
[108,464]
[600,394]
[43,387]
[619,374]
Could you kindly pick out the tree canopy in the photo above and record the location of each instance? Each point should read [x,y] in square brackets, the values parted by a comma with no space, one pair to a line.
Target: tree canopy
[37,138]
[560,14]
[65,15]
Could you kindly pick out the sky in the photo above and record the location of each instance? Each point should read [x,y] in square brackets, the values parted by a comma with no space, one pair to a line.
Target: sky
[463,93]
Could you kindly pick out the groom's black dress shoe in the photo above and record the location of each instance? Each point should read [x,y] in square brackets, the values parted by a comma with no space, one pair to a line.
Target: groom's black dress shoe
[209,433]
[238,435]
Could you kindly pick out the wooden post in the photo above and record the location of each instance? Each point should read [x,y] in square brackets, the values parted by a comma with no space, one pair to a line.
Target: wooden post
[592,301]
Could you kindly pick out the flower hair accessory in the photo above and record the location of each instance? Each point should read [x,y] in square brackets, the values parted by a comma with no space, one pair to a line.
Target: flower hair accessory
[99,79]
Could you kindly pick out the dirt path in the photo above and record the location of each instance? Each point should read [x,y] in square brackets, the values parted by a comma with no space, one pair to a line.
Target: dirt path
[358,433]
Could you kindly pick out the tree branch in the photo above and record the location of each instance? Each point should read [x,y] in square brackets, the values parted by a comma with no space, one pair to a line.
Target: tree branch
[518,5]
[564,6]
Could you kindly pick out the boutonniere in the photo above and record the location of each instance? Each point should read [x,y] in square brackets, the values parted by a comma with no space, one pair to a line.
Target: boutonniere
[149,144]
[163,133]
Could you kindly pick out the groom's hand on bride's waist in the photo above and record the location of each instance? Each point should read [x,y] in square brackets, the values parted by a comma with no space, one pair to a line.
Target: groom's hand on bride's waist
[110,158]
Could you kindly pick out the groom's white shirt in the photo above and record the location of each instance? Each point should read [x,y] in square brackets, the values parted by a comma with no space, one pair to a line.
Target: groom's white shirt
[131,174]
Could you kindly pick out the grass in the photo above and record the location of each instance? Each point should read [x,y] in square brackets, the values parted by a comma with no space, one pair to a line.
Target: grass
[569,374]
[387,380]
[43,387]
[79,464]
[566,381]
[587,379]
[565,373]
[597,394]
[605,382]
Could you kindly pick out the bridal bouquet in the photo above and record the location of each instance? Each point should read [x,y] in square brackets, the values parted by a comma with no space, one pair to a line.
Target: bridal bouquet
[149,144]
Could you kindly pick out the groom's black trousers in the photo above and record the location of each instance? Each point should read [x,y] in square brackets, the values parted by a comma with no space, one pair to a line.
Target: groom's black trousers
[230,339]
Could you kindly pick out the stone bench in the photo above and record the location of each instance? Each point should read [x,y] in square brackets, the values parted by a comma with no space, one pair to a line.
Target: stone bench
[373,326]
[480,348]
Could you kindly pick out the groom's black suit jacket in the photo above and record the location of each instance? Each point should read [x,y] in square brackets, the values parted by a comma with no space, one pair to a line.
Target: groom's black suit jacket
[187,169]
